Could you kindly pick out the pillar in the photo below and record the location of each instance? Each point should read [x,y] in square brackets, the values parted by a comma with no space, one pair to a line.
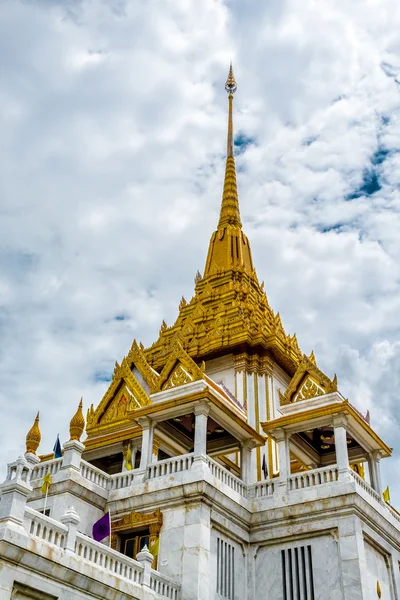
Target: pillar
[375,471]
[147,441]
[201,412]
[342,455]
[282,439]
[245,461]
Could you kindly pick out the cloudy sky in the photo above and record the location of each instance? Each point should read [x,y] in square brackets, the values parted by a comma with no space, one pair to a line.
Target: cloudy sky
[113,125]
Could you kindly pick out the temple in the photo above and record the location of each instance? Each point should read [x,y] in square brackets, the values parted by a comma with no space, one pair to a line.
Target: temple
[230,465]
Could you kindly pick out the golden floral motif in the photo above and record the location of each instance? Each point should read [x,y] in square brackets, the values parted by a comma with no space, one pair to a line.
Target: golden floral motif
[178,377]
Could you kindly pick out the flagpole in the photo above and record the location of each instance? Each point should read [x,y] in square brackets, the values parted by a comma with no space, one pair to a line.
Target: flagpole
[45,499]
[109,537]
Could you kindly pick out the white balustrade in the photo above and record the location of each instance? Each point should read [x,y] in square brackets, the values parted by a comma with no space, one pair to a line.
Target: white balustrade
[308,479]
[226,477]
[94,474]
[170,466]
[164,586]
[48,466]
[44,528]
[263,488]
[107,558]
[121,480]
[366,486]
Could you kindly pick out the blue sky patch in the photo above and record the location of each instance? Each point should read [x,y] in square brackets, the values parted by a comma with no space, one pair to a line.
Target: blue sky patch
[102,376]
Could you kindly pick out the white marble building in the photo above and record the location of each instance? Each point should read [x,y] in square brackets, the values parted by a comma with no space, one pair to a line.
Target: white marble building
[221,443]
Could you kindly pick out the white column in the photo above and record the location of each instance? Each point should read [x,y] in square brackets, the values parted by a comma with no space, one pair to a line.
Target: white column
[201,412]
[283,454]
[147,441]
[375,471]
[245,461]
[342,455]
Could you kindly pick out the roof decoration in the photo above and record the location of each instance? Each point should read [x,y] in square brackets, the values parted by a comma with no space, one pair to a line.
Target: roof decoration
[33,437]
[229,307]
[308,382]
[77,423]
[124,393]
[178,370]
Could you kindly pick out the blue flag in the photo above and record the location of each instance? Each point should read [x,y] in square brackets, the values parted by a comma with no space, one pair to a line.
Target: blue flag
[57,448]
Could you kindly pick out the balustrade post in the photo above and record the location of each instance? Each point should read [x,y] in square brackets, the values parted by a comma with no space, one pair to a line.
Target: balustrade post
[71,519]
[72,455]
[32,461]
[14,493]
[145,558]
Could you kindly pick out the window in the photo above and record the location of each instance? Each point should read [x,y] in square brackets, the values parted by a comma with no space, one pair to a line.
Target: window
[225,569]
[132,543]
[297,573]
[45,512]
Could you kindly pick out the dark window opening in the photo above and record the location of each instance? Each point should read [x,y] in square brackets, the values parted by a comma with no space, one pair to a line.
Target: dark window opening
[109,464]
[132,543]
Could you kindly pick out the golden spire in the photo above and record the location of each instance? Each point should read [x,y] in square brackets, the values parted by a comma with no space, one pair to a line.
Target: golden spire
[33,437]
[229,247]
[230,201]
[77,424]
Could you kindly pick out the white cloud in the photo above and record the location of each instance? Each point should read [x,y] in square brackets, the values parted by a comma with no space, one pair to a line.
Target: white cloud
[111,165]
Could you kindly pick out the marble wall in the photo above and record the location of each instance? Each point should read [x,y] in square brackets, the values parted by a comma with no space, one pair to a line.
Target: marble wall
[308,568]
[379,572]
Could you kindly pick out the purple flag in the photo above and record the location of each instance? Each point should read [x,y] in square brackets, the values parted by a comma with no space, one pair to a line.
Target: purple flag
[102,528]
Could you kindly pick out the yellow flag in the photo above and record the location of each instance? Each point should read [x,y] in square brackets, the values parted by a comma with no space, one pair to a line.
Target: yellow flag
[128,460]
[155,547]
[46,483]
[386,495]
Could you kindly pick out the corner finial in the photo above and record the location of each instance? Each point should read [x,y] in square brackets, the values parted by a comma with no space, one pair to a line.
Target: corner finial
[33,437]
[231,85]
[77,423]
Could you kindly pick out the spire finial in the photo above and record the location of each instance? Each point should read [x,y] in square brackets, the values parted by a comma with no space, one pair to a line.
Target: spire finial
[33,437]
[231,88]
[231,85]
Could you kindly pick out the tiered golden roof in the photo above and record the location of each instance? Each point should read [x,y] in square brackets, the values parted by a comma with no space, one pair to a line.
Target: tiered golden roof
[230,308]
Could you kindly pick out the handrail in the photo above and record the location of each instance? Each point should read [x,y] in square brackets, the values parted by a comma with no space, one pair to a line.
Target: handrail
[93,474]
[169,466]
[44,528]
[226,477]
[164,586]
[107,558]
[48,466]
[313,477]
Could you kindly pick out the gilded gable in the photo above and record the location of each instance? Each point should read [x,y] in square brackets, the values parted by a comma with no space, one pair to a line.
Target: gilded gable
[308,382]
